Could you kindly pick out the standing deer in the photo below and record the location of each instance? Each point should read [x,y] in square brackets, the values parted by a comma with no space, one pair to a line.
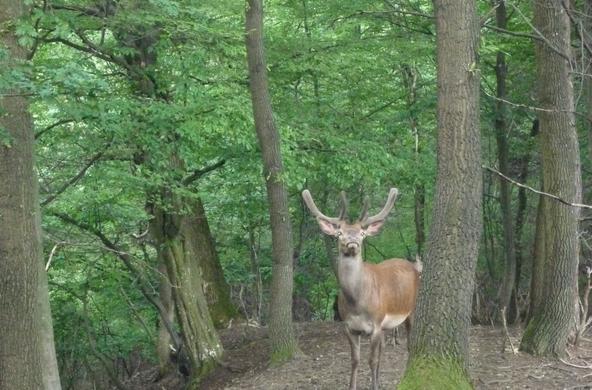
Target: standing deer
[372,297]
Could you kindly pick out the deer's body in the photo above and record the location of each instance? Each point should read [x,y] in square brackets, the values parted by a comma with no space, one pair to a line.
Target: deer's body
[378,300]
[373,297]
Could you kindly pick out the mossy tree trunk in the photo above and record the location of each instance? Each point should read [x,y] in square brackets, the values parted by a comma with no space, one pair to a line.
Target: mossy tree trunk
[553,320]
[173,235]
[439,339]
[216,288]
[283,341]
[27,351]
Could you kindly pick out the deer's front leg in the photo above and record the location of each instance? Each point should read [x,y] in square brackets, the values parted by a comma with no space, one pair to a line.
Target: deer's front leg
[375,352]
[354,343]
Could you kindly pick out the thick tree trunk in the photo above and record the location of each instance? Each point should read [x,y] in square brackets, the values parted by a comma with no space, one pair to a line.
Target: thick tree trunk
[503,149]
[182,238]
[216,289]
[537,277]
[283,342]
[27,352]
[175,240]
[548,331]
[439,339]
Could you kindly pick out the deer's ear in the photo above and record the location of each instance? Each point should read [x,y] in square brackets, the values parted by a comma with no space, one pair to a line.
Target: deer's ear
[374,228]
[327,227]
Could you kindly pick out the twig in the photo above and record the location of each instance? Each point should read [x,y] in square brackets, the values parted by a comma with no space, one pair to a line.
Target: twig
[589,367]
[55,247]
[505,325]
[555,197]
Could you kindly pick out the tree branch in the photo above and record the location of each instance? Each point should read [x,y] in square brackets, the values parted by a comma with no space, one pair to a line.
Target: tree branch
[52,126]
[73,179]
[127,261]
[200,172]
[555,197]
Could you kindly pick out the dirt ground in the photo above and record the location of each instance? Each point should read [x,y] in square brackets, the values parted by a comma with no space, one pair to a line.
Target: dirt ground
[325,363]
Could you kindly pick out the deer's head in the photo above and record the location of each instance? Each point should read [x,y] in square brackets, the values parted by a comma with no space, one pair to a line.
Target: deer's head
[351,235]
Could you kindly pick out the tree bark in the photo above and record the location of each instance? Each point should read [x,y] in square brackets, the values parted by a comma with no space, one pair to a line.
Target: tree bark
[537,277]
[216,289]
[548,331]
[439,339]
[173,233]
[27,351]
[164,341]
[283,342]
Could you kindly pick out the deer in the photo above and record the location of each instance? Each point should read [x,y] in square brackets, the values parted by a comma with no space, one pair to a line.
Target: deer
[373,298]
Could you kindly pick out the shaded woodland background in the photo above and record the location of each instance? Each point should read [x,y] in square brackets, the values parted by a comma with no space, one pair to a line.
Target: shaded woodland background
[150,173]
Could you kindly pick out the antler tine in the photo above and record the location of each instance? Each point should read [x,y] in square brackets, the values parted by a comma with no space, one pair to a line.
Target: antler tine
[364,212]
[344,205]
[390,202]
[314,209]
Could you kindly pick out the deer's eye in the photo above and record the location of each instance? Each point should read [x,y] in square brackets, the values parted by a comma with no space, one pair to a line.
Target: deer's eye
[339,234]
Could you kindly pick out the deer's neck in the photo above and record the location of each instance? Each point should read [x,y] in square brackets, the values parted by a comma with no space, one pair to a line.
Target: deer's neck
[350,275]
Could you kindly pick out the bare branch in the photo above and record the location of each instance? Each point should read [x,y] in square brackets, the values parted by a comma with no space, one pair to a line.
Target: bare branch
[200,172]
[53,125]
[73,179]
[512,33]
[126,258]
[555,197]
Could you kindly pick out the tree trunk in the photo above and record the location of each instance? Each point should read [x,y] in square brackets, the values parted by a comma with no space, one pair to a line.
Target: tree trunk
[523,163]
[283,342]
[164,342]
[410,81]
[503,149]
[439,340]
[182,238]
[216,289]
[537,277]
[27,352]
[547,333]
[174,238]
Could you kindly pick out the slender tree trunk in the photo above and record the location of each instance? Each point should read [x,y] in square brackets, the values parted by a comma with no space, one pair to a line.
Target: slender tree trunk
[523,163]
[439,340]
[503,150]
[548,331]
[410,80]
[283,342]
[27,352]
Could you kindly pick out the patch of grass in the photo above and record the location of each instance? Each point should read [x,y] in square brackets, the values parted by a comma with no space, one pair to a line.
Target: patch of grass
[435,373]
[284,354]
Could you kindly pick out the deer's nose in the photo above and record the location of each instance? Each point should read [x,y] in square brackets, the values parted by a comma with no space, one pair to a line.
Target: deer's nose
[352,245]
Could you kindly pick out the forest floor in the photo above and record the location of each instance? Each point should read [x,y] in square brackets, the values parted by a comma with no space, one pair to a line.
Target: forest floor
[325,362]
